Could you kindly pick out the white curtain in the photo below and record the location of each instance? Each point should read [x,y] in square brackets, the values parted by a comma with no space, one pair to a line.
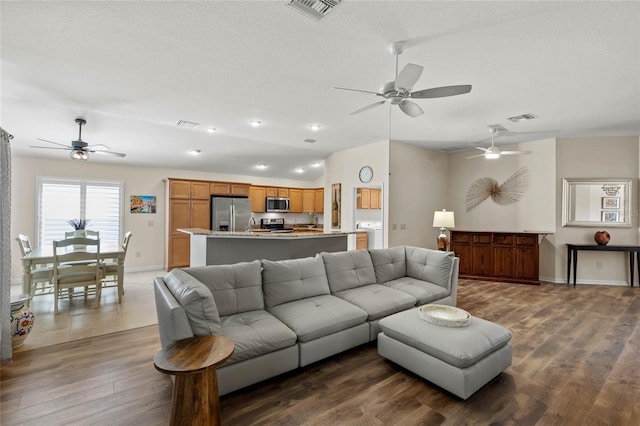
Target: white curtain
[5,249]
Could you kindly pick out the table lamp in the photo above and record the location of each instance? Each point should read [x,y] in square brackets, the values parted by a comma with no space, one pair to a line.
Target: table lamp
[443,220]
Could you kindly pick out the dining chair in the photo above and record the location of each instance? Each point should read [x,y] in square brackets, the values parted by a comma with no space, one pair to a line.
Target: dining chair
[110,269]
[76,268]
[41,275]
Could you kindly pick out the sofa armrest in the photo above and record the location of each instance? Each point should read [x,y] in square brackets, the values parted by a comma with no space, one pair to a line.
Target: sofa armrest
[173,323]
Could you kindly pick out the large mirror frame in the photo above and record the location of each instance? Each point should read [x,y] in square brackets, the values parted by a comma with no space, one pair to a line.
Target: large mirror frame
[596,202]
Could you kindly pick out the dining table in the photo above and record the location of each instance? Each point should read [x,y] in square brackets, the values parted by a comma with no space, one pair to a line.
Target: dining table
[44,255]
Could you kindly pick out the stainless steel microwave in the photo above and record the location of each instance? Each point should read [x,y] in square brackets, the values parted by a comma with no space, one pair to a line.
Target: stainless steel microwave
[277,205]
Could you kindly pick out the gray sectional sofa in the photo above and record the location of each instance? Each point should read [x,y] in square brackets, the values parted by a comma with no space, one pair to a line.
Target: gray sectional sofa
[286,314]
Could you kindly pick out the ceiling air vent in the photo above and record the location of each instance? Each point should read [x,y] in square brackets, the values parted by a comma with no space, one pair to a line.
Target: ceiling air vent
[187,124]
[310,140]
[316,9]
[522,117]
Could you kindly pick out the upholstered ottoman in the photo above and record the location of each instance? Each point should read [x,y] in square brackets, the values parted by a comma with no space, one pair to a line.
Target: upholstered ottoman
[458,359]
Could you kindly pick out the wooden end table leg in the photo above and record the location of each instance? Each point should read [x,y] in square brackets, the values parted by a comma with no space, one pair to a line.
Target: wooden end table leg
[195,399]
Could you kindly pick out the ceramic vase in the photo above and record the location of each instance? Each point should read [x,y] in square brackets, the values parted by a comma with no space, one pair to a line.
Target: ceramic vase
[80,233]
[22,320]
[602,238]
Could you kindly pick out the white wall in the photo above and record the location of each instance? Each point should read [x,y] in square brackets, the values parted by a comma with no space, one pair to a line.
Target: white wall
[343,167]
[603,157]
[417,187]
[148,229]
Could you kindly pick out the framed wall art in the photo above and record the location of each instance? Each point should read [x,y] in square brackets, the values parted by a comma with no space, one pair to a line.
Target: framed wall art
[143,204]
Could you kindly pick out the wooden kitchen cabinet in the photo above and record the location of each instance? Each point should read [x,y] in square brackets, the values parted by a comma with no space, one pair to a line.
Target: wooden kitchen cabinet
[369,198]
[283,193]
[295,200]
[187,189]
[497,256]
[189,206]
[363,198]
[272,191]
[257,195]
[319,202]
[362,240]
[375,199]
[308,200]
[229,188]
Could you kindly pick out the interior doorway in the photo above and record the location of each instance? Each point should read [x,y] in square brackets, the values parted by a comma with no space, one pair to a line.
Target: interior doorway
[368,203]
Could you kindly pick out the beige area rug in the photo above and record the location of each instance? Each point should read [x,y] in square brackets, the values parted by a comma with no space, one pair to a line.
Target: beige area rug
[80,318]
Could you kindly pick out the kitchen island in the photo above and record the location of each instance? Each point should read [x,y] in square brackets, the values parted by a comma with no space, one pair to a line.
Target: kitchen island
[224,247]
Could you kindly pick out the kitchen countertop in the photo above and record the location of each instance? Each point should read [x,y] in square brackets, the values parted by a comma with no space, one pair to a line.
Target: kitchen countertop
[264,234]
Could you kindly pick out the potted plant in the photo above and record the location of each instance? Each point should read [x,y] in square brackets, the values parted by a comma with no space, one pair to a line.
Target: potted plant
[79,225]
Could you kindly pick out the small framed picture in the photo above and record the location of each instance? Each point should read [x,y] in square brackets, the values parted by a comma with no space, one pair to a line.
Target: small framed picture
[610,202]
[610,217]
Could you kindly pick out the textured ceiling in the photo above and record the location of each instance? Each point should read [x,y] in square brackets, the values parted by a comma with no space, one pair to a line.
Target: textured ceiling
[133,69]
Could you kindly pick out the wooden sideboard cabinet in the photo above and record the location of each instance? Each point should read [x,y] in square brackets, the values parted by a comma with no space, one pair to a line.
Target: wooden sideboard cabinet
[497,256]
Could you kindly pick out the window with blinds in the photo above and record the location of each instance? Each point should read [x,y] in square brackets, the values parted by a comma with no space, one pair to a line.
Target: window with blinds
[62,199]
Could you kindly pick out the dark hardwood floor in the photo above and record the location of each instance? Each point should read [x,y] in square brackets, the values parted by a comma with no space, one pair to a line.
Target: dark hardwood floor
[576,361]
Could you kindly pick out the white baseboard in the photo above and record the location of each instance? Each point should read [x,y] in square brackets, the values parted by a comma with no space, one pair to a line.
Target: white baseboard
[589,282]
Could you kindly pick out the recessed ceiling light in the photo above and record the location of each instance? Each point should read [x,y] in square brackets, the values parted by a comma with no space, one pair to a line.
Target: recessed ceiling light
[261,166]
[299,170]
[211,129]
[315,127]
[255,123]
[195,152]
[316,164]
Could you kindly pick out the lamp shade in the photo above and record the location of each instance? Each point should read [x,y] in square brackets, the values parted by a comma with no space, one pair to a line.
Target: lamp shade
[443,219]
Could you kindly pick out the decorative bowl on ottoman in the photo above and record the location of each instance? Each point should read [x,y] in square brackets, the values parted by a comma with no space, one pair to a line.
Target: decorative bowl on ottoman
[444,315]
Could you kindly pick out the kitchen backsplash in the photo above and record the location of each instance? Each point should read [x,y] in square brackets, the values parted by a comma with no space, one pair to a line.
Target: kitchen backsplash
[290,218]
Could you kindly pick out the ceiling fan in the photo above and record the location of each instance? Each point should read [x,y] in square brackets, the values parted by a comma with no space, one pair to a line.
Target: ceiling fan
[493,151]
[80,149]
[398,92]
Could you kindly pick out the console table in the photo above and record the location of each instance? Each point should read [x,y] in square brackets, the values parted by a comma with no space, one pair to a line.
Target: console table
[572,257]
[195,391]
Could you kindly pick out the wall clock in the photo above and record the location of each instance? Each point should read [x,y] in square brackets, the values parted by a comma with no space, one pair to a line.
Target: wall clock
[366,174]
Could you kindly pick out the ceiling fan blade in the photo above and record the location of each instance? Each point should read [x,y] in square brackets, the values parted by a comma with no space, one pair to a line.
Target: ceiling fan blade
[358,90]
[483,149]
[50,147]
[368,107]
[441,92]
[412,109]
[515,152]
[115,154]
[97,145]
[408,77]
[476,156]
[55,143]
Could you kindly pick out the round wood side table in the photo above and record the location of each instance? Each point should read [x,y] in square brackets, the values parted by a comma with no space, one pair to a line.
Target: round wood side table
[195,392]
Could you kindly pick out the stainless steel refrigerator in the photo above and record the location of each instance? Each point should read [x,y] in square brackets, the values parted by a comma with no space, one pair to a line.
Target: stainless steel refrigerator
[230,214]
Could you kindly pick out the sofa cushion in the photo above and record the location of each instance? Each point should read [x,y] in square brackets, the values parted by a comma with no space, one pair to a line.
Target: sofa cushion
[389,264]
[348,269]
[197,301]
[318,316]
[236,288]
[433,266]
[288,280]
[255,333]
[377,300]
[424,291]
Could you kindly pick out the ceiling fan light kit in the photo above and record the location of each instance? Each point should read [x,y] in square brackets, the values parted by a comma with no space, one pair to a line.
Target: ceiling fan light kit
[398,92]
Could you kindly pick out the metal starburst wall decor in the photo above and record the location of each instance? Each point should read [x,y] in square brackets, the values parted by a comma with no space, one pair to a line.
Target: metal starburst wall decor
[508,193]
